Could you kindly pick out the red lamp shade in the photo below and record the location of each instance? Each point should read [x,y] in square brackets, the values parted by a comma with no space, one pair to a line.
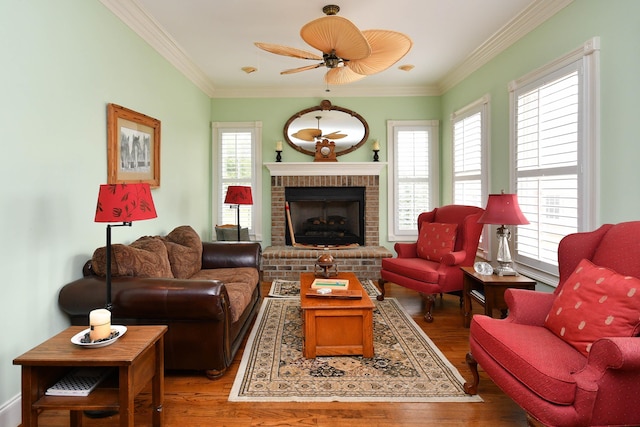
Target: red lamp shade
[238,195]
[124,203]
[503,209]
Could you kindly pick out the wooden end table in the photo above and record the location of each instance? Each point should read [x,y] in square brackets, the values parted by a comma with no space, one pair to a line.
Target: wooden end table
[336,327]
[138,357]
[488,291]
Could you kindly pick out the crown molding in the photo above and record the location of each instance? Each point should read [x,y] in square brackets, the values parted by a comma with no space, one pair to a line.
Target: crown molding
[334,92]
[529,19]
[132,14]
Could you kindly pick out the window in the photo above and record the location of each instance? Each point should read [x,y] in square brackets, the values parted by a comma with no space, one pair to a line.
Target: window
[413,176]
[470,158]
[236,159]
[554,121]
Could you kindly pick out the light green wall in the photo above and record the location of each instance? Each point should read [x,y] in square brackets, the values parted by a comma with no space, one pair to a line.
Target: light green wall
[616,23]
[274,113]
[62,62]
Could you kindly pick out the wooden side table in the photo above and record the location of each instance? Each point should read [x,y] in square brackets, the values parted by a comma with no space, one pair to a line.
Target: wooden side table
[138,357]
[488,291]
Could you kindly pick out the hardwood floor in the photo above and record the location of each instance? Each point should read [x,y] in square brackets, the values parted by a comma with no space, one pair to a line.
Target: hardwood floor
[193,400]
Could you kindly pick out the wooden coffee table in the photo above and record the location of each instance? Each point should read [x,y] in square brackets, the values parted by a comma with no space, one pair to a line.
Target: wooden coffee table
[138,357]
[336,326]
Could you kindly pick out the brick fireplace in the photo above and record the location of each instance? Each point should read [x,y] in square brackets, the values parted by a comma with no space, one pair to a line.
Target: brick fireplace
[286,262]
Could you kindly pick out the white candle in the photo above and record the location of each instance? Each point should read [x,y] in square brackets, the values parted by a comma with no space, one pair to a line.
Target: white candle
[376,145]
[100,322]
[279,146]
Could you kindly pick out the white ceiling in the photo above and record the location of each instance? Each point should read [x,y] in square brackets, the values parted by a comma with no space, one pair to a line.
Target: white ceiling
[210,41]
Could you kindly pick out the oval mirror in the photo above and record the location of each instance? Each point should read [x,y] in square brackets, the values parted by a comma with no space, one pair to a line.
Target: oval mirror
[344,127]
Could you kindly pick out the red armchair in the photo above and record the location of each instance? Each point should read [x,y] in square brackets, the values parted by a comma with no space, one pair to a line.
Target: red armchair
[557,382]
[447,240]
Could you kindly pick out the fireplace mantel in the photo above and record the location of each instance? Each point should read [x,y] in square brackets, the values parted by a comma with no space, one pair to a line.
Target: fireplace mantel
[325,168]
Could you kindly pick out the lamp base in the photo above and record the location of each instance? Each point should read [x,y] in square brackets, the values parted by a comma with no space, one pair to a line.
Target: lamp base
[504,270]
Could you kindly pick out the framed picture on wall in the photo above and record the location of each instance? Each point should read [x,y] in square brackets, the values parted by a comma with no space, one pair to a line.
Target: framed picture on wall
[133,147]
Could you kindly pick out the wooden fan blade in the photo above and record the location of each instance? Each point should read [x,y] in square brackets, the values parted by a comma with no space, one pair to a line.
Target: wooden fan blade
[288,51]
[334,135]
[307,134]
[335,33]
[305,68]
[342,75]
[387,48]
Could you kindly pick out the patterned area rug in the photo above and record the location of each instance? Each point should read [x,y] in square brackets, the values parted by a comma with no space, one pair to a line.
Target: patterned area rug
[291,288]
[407,366]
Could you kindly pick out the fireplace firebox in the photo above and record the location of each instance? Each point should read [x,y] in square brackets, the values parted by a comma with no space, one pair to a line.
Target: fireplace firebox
[326,216]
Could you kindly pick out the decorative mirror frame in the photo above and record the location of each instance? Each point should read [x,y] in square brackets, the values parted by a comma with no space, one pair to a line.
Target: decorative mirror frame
[325,105]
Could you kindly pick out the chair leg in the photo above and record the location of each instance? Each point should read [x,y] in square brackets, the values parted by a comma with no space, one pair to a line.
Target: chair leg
[472,388]
[430,300]
[381,283]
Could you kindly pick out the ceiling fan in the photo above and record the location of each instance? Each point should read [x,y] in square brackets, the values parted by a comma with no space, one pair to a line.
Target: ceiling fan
[311,134]
[348,53]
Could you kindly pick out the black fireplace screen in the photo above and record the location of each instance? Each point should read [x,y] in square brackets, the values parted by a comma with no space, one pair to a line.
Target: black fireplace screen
[326,216]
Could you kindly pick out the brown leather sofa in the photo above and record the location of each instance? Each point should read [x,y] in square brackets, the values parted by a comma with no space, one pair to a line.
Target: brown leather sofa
[208,313]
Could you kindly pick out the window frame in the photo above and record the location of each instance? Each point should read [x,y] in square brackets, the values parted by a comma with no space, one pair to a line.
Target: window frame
[480,106]
[433,129]
[587,61]
[217,184]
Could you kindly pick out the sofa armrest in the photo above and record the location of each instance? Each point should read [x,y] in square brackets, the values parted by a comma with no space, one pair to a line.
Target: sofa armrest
[146,298]
[528,307]
[231,255]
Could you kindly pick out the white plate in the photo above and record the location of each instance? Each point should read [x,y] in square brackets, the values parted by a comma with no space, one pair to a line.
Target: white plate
[76,339]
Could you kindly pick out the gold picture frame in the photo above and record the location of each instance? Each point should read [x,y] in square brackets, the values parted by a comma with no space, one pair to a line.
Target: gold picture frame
[133,147]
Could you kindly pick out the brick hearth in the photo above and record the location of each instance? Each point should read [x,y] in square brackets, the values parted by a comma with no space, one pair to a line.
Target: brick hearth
[286,262]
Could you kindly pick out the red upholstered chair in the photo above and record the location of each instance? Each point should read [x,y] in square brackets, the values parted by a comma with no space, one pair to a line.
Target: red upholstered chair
[571,357]
[447,240]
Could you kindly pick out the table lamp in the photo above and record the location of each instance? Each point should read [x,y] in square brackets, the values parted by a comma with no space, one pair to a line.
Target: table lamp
[122,203]
[503,209]
[238,195]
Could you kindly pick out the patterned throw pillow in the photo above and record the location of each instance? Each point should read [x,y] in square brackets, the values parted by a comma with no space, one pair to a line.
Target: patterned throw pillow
[594,303]
[184,248]
[146,257]
[435,240]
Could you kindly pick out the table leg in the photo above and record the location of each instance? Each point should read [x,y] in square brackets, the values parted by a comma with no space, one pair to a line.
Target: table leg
[158,385]
[466,321]
[29,395]
[126,396]
[367,334]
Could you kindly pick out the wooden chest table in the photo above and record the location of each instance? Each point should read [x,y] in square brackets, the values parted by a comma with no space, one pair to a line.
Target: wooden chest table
[334,326]
[138,357]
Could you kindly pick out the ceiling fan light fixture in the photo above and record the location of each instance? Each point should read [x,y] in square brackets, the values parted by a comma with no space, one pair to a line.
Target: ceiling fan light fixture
[331,9]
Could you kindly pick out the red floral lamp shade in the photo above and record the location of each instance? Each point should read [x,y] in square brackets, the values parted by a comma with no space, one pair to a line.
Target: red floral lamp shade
[503,209]
[238,195]
[124,203]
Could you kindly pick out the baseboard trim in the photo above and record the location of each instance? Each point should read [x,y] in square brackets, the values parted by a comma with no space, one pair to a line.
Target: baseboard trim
[11,412]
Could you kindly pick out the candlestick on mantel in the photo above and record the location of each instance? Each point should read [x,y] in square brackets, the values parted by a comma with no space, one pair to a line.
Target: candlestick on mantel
[279,146]
[376,145]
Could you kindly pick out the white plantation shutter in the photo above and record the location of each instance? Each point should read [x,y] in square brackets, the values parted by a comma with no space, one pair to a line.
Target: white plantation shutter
[235,159]
[554,151]
[412,161]
[236,162]
[470,158]
[470,155]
